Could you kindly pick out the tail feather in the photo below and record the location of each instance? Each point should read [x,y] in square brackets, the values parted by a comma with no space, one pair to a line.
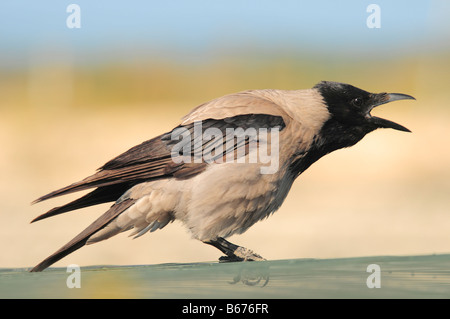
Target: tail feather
[81,239]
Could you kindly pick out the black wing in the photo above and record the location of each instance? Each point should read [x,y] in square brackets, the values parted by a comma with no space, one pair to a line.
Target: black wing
[151,160]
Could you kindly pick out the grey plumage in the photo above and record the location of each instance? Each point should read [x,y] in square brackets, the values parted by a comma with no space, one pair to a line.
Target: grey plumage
[152,186]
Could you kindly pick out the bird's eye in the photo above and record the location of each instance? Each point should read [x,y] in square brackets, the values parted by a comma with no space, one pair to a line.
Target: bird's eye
[357,101]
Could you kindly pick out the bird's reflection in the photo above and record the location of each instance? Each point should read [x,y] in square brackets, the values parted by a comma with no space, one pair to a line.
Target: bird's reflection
[252,274]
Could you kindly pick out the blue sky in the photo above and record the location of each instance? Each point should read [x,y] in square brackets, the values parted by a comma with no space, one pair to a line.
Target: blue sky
[194,27]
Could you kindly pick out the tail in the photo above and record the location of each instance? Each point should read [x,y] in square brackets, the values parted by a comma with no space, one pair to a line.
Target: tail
[81,239]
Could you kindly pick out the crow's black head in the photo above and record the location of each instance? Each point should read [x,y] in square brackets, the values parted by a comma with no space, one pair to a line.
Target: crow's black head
[350,119]
[351,106]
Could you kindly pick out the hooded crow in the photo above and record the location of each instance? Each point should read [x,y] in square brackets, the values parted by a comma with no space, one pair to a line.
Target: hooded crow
[230,163]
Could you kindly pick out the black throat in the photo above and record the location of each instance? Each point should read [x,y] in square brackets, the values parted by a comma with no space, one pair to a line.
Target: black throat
[333,136]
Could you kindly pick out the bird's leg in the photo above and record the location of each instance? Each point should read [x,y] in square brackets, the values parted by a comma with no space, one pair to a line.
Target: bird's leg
[233,252]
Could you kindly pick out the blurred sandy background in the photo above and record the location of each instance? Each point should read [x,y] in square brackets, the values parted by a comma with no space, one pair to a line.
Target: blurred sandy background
[70,100]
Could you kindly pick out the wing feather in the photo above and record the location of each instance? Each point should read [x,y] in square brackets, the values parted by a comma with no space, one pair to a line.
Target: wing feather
[151,160]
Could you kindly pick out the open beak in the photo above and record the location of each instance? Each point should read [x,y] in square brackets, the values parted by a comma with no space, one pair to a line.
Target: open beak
[384,98]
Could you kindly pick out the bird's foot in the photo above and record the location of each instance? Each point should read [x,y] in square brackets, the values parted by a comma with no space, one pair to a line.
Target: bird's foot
[241,254]
[233,252]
